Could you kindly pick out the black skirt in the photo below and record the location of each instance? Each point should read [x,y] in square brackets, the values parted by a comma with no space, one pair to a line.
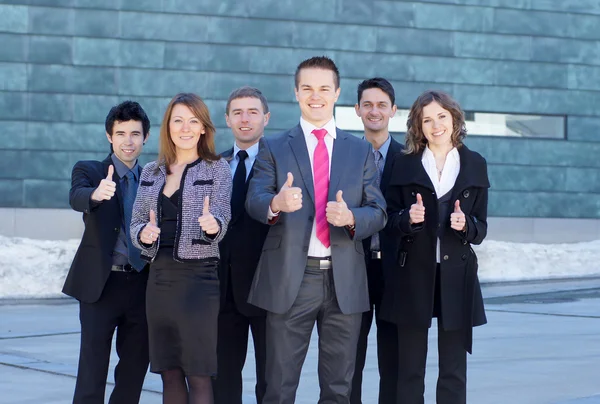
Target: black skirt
[182,306]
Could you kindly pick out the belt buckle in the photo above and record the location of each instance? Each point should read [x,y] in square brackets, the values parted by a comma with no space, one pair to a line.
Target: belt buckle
[324,264]
[375,255]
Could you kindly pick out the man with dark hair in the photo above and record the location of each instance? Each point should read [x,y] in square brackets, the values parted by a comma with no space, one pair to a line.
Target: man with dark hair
[315,185]
[375,106]
[247,114]
[107,275]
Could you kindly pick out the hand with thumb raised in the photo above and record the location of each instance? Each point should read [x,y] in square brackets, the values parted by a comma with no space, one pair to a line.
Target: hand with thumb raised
[107,187]
[457,218]
[151,231]
[289,198]
[337,212]
[207,221]
[417,211]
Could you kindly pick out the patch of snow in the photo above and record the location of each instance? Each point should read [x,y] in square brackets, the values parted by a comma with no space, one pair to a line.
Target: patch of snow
[37,268]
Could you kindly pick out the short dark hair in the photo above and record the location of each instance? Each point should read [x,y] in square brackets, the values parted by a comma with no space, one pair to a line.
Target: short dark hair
[377,82]
[127,111]
[318,62]
[247,92]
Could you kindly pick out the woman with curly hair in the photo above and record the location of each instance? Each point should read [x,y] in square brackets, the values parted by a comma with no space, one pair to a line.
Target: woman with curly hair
[437,207]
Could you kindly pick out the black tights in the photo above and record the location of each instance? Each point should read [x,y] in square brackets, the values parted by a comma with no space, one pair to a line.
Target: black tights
[179,389]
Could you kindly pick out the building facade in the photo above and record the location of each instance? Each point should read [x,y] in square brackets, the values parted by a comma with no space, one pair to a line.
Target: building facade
[64,63]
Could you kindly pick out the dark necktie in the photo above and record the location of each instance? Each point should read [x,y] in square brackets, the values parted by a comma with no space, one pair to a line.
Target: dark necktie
[238,193]
[129,194]
[379,164]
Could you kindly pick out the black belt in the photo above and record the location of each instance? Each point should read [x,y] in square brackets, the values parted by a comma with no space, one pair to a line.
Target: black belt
[123,268]
[375,255]
[321,262]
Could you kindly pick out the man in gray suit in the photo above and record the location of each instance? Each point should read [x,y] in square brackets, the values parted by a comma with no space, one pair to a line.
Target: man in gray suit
[316,185]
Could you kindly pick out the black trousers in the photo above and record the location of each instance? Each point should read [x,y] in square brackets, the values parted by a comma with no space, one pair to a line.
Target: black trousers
[288,337]
[412,357]
[122,306]
[387,341]
[232,346]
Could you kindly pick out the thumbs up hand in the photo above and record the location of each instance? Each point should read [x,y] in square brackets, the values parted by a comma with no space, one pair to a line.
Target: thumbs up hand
[289,198]
[150,232]
[457,218]
[417,211]
[107,187]
[337,212]
[207,221]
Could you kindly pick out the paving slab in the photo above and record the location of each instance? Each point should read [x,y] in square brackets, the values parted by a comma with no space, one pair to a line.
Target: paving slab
[541,346]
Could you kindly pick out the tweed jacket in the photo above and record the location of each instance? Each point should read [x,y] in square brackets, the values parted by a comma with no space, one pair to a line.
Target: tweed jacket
[199,179]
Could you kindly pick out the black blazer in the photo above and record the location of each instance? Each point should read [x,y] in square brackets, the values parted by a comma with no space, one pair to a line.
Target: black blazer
[395,148]
[240,250]
[409,290]
[93,260]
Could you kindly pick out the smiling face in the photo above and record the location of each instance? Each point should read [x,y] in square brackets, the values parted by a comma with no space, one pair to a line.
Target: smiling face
[185,128]
[247,120]
[127,140]
[437,125]
[316,94]
[375,110]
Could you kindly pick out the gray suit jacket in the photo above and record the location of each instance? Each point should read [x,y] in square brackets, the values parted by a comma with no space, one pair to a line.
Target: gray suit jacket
[283,259]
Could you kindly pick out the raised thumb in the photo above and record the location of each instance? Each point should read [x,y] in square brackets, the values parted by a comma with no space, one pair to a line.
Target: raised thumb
[111,171]
[457,206]
[290,180]
[419,200]
[338,196]
[206,205]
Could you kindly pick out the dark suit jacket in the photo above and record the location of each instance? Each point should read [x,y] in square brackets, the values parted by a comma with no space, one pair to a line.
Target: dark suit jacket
[395,148]
[408,301]
[93,260]
[283,260]
[240,251]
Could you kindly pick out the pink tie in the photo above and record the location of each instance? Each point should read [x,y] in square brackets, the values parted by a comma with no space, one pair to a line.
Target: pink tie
[321,180]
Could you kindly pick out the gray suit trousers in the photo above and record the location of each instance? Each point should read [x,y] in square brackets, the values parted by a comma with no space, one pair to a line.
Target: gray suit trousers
[288,337]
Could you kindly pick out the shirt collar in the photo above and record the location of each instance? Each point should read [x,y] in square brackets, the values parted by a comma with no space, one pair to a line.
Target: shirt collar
[121,169]
[308,127]
[428,154]
[385,147]
[252,150]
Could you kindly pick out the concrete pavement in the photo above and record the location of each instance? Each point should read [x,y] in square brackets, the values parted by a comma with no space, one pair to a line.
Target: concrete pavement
[541,346]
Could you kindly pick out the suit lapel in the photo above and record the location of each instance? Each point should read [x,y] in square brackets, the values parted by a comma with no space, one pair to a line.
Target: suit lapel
[469,174]
[300,150]
[394,148]
[339,157]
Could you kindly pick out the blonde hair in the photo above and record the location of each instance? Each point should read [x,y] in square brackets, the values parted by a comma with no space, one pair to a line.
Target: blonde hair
[167,154]
[415,139]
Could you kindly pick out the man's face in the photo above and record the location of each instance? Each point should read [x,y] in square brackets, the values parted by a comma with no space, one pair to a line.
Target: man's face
[317,95]
[375,109]
[247,120]
[127,140]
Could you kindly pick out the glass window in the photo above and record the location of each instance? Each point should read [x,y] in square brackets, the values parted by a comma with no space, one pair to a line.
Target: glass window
[477,123]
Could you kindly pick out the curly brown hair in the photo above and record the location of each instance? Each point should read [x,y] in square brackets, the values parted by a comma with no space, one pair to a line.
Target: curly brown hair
[415,139]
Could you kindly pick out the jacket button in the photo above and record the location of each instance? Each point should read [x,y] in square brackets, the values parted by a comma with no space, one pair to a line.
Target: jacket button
[116,229]
[310,218]
[413,193]
[466,193]
[409,239]
[464,242]
[464,257]
[305,249]
[446,258]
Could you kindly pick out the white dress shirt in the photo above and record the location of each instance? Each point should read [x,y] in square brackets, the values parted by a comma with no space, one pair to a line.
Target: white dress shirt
[252,153]
[445,183]
[315,247]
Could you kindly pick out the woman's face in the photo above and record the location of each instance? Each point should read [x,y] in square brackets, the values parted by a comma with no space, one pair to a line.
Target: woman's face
[185,128]
[437,125]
